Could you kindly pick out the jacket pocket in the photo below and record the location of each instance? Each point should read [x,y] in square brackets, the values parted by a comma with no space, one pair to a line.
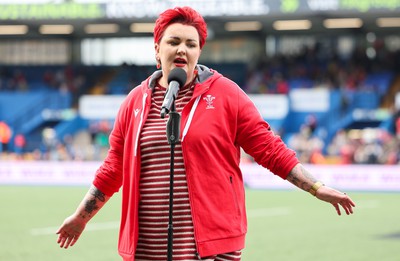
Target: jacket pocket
[234,194]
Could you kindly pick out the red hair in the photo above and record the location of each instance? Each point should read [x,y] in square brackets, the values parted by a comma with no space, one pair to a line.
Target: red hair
[184,15]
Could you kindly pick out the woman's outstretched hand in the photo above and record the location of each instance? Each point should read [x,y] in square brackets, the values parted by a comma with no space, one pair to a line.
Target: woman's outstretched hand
[336,198]
[70,231]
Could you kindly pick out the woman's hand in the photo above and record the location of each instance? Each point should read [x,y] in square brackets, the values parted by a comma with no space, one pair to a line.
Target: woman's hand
[70,231]
[73,226]
[303,179]
[336,198]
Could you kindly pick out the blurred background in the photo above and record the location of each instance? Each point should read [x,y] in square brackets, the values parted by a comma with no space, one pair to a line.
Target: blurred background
[324,74]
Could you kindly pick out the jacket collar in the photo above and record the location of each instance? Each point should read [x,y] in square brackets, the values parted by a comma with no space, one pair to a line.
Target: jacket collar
[204,73]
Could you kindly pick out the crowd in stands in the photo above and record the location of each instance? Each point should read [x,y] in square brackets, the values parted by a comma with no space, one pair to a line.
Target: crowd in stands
[59,78]
[316,67]
[355,146]
[364,146]
[87,145]
[12,80]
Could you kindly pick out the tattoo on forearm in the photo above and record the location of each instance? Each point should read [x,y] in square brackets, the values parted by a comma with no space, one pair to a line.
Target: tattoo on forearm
[301,178]
[97,194]
[91,205]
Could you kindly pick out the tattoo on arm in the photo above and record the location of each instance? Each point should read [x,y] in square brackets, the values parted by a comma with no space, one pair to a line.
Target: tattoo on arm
[301,178]
[97,194]
[91,205]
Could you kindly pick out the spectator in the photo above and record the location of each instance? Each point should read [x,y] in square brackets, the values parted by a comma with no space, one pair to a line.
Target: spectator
[5,136]
[19,144]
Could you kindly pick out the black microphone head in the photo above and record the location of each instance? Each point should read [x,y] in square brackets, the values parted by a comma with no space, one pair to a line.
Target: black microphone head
[179,75]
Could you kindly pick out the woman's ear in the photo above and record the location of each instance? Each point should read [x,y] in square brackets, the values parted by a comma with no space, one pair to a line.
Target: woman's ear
[156,48]
[157,51]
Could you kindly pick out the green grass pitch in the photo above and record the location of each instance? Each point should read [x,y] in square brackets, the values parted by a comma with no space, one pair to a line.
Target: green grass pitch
[283,225]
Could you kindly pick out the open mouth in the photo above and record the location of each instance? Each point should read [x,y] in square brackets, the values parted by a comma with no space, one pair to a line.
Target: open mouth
[180,61]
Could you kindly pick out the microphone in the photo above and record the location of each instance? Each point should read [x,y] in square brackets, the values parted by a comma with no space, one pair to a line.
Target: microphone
[176,79]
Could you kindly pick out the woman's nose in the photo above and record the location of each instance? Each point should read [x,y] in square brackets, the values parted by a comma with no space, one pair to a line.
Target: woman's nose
[181,49]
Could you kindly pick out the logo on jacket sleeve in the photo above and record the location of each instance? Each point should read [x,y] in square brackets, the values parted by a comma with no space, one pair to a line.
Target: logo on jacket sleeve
[209,100]
[136,112]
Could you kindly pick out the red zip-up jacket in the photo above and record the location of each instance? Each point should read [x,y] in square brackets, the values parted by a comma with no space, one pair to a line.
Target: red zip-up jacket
[217,121]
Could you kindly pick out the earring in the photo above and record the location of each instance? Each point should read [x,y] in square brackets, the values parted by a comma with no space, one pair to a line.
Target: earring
[158,63]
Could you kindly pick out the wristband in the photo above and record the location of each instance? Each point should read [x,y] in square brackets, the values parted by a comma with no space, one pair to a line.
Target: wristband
[315,187]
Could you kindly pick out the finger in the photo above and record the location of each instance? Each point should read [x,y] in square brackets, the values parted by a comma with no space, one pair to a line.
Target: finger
[60,234]
[351,202]
[60,229]
[65,238]
[68,241]
[348,205]
[350,208]
[337,209]
[74,240]
[345,206]
[62,241]
[347,209]
[59,239]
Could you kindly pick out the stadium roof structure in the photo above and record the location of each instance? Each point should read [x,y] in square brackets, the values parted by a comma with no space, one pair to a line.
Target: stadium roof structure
[129,18]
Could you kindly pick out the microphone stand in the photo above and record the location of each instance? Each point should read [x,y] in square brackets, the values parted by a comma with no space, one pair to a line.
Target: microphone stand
[173,133]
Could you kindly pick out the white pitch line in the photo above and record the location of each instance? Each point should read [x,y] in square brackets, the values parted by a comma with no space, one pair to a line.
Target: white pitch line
[252,213]
[90,227]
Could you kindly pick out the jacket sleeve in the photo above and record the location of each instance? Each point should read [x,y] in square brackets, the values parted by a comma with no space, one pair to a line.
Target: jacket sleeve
[257,139]
[108,178]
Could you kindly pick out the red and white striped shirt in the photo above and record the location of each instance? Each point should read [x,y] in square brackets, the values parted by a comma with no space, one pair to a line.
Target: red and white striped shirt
[154,191]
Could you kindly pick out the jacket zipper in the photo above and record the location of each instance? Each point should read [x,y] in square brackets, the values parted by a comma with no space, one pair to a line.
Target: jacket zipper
[189,121]
[185,130]
[140,123]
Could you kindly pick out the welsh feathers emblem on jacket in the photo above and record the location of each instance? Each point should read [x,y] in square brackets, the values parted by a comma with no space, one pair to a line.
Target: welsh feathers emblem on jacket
[209,100]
